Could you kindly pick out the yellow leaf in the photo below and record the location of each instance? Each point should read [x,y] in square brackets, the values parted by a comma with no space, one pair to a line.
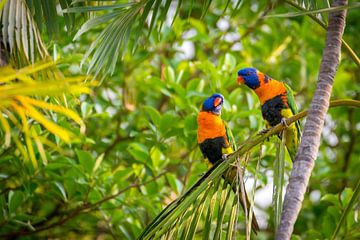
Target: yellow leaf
[39,146]
[31,151]
[6,128]
[9,74]
[59,109]
[52,127]
[39,89]
[25,129]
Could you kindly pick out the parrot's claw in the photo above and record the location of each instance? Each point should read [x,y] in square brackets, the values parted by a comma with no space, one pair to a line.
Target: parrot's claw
[283,122]
[201,174]
[265,130]
[224,157]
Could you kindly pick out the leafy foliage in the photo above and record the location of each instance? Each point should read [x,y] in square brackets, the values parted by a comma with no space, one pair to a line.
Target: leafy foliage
[17,86]
[139,152]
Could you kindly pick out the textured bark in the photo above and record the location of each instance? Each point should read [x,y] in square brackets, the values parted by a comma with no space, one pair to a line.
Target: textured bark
[309,145]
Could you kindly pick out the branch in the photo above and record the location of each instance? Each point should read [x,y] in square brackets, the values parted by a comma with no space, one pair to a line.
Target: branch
[258,138]
[347,47]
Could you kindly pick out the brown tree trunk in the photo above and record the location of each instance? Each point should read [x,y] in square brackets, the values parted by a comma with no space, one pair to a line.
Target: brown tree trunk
[309,145]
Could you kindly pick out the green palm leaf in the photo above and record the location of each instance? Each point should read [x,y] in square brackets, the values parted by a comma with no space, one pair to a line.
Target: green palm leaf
[20,33]
[124,19]
[185,217]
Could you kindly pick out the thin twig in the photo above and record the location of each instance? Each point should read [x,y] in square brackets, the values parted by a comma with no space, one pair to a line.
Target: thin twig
[346,46]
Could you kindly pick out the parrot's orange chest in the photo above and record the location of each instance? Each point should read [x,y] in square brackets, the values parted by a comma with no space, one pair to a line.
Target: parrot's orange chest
[210,126]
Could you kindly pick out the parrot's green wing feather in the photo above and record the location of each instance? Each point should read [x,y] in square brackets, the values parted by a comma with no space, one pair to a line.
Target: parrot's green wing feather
[230,137]
[292,105]
[291,99]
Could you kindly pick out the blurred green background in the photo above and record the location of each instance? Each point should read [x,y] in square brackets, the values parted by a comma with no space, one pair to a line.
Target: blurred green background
[139,151]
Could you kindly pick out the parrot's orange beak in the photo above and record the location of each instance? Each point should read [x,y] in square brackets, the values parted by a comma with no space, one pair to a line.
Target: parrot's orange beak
[217,101]
[240,80]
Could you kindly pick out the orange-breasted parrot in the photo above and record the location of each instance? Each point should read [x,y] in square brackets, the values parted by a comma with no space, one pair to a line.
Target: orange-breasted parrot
[216,141]
[277,103]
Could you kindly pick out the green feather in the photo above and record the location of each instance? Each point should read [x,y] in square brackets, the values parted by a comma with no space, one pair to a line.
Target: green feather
[292,105]
[230,136]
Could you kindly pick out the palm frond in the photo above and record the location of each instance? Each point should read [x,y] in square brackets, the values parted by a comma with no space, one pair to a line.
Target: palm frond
[24,112]
[207,208]
[19,31]
[125,18]
[278,185]
[22,22]
[314,11]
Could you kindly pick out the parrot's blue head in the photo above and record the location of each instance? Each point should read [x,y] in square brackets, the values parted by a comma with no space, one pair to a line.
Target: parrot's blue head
[249,77]
[213,104]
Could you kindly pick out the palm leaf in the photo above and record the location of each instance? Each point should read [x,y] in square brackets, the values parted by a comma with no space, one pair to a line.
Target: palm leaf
[133,17]
[22,108]
[278,185]
[315,11]
[22,23]
[20,33]
[185,216]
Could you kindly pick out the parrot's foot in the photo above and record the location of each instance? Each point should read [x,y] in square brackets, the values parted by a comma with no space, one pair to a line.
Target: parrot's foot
[201,174]
[283,122]
[224,157]
[265,130]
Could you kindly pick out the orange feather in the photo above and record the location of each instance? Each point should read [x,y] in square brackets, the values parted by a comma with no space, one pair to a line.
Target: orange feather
[270,89]
[210,126]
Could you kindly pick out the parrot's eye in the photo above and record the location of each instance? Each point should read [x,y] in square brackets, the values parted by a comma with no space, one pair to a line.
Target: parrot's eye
[248,74]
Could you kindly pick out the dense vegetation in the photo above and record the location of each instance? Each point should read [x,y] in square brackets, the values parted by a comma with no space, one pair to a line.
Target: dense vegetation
[86,157]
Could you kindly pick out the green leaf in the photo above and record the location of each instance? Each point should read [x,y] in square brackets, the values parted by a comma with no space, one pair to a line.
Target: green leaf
[62,190]
[167,122]
[353,200]
[346,196]
[157,157]
[98,161]
[154,114]
[86,160]
[94,196]
[139,151]
[229,63]
[175,184]
[169,74]
[15,199]
[332,198]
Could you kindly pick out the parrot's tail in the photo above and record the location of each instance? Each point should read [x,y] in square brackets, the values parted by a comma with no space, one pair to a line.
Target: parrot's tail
[292,141]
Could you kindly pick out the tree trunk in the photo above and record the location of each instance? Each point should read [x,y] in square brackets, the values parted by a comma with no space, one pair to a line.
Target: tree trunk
[309,145]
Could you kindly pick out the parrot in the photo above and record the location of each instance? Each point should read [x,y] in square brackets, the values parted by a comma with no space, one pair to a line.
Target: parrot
[277,103]
[216,141]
